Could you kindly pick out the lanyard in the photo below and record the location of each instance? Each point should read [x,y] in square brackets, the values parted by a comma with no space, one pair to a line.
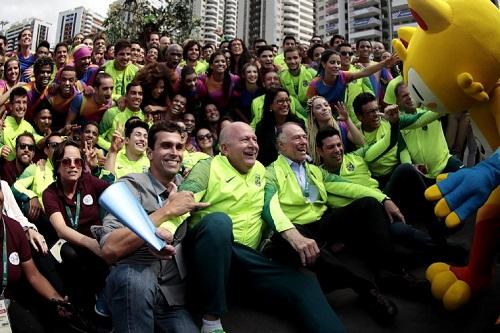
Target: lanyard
[74,222]
[4,258]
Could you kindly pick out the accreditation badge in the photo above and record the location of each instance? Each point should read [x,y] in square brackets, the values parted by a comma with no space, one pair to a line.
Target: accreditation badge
[4,316]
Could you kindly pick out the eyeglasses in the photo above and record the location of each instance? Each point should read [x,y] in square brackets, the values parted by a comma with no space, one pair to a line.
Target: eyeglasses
[345,53]
[28,146]
[68,162]
[283,101]
[53,145]
[207,136]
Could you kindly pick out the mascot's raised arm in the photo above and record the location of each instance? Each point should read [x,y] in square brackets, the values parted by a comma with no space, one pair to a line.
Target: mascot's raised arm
[451,64]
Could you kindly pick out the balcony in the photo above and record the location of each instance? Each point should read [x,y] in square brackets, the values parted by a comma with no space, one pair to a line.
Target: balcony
[289,31]
[365,23]
[292,9]
[395,27]
[333,17]
[331,27]
[399,4]
[366,12]
[331,8]
[401,15]
[364,3]
[368,34]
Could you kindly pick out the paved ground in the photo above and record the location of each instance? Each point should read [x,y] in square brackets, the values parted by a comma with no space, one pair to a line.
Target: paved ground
[414,316]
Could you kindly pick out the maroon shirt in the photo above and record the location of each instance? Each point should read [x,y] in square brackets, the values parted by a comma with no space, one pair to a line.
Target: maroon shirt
[18,251]
[90,189]
[8,171]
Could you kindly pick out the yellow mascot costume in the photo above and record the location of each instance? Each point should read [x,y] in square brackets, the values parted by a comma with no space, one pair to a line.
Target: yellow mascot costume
[452,63]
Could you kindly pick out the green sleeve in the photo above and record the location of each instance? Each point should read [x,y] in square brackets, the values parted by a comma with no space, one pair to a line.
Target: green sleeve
[272,212]
[341,192]
[20,188]
[197,180]
[373,152]
[297,108]
[417,120]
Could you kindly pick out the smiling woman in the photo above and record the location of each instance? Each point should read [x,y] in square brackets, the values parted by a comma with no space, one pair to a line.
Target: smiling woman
[71,203]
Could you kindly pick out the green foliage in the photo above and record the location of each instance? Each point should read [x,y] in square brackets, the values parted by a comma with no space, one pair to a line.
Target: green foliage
[135,19]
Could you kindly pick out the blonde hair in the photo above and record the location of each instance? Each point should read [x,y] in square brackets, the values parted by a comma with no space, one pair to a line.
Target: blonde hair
[312,129]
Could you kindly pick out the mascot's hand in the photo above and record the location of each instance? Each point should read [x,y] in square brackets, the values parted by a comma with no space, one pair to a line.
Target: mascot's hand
[472,88]
[461,193]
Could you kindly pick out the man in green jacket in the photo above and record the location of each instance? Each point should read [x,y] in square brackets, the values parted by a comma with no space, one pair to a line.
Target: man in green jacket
[296,207]
[222,242]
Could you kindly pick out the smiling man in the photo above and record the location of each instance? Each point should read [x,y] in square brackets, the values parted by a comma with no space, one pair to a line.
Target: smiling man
[297,77]
[121,69]
[145,292]
[92,108]
[221,245]
[25,151]
[37,90]
[15,124]
[133,159]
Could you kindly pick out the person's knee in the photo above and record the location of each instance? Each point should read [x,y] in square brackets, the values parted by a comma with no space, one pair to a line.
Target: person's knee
[128,281]
[217,226]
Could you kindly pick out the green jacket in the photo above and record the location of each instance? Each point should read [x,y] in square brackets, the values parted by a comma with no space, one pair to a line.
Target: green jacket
[297,85]
[284,203]
[426,145]
[240,196]
[120,78]
[384,163]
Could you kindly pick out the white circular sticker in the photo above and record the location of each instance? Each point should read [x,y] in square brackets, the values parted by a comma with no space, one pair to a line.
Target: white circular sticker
[88,200]
[14,258]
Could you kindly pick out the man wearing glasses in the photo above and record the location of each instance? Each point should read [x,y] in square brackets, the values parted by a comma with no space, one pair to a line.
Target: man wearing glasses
[355,87]
[25,151]
[29,187]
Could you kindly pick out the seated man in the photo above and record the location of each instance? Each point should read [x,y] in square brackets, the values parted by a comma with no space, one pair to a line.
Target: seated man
[296,207]
[352,167]
[29,187]
[132,158]
[221,245]
[402,182]
[25,151]
[144,291]
[426,147]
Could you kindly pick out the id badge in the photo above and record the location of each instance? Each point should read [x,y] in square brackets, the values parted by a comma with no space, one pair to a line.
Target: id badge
[56,250]
[4,316]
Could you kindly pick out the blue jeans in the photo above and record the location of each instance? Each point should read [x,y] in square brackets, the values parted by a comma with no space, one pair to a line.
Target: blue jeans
[137,304]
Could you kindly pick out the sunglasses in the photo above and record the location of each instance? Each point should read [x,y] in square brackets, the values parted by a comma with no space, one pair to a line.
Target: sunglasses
[207,136]
[68,162]
[53,145]
[28,146]
[345,53]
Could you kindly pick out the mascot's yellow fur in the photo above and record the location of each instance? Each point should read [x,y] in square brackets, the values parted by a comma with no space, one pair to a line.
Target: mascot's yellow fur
[451,64]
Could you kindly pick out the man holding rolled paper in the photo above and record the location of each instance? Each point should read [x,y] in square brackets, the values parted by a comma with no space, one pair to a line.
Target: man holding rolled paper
[145,290]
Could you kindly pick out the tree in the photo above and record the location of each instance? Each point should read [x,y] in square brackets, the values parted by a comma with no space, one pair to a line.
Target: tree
[135,19]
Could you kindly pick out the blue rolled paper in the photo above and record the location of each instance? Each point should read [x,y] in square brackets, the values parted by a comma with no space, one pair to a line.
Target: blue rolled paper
[119,201]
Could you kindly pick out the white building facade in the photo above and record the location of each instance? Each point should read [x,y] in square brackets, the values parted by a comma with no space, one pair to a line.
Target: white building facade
[78,20]
[39,29]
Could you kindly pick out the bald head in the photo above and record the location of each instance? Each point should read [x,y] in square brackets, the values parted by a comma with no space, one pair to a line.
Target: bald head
[173,55]
[230,131]
[239,144]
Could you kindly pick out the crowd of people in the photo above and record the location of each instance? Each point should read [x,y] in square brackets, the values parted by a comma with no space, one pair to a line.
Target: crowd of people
[253,164]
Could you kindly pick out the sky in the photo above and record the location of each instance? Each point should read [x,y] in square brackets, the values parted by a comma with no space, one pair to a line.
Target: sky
[15,10]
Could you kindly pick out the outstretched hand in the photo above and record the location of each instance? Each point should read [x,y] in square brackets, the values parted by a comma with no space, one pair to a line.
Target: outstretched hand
[460,194]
